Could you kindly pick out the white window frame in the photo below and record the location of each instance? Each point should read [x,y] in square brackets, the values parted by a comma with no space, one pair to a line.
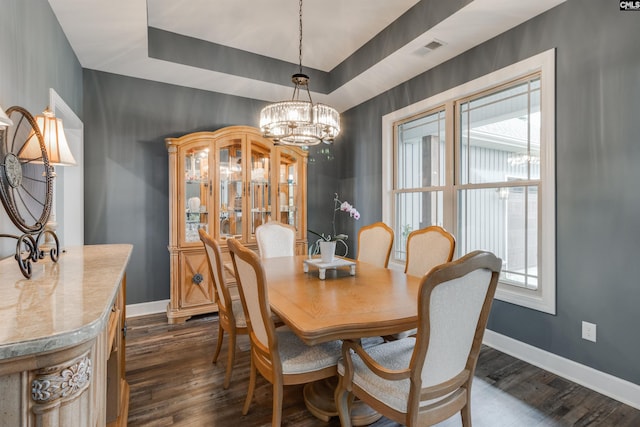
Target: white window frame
[544,298]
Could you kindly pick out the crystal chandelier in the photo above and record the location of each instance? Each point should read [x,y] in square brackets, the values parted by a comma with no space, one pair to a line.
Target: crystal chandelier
[300,122]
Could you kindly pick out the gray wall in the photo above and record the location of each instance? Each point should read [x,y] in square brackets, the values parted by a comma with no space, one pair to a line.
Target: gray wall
[597,158]
[34,56]
[126,165]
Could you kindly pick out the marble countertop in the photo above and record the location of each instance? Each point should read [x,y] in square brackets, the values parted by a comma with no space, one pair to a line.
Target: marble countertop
[63,304]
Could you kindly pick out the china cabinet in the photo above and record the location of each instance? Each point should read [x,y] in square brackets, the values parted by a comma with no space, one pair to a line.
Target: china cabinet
[227,182]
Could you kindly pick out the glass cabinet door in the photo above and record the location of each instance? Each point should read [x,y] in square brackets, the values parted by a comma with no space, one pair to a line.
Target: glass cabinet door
[288,189]
[231,191]
[259,186]
[197,190]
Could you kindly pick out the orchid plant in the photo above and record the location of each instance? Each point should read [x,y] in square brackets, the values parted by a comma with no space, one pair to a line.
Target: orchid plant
[338,205]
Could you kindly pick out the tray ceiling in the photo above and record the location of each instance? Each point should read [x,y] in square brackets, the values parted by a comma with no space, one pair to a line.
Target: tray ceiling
[353,50]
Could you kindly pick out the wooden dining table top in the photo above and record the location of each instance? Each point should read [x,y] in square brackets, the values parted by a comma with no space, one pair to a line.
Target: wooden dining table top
[374,302]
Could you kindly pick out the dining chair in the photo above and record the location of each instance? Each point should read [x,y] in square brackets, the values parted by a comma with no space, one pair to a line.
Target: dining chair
[230,312]
[278,354]
[276,239]
[427,248]
[374,244]
[426,379]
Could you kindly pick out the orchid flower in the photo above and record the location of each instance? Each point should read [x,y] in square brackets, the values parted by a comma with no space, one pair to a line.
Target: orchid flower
[335,237]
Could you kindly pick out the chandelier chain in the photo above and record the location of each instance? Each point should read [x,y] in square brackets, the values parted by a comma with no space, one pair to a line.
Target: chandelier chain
[300,39]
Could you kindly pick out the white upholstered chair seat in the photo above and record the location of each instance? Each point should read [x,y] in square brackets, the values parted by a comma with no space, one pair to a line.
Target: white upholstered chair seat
[392,355]
[297,357]
[371,341]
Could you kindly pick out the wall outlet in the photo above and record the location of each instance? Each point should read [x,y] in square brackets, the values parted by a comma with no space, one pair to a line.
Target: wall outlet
[589,331]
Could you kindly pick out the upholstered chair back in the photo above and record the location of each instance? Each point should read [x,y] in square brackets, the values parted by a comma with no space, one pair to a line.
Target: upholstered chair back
[253,293]
[453,311]
[214,255]
[374,244]
[276,239]
[427,248]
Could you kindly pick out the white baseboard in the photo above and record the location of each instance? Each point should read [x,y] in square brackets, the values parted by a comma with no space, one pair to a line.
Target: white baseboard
[614,387]
[142,309]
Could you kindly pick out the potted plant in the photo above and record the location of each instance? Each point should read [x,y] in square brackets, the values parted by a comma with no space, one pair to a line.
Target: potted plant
[326,244]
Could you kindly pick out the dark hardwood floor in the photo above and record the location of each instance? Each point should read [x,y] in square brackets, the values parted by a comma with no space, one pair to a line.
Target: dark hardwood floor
[174,383]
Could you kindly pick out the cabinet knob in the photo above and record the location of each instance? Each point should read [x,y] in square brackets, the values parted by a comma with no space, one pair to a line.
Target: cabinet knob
[197,278]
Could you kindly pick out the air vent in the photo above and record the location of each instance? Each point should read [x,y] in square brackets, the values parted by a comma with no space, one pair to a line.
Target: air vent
[433,45]
[429,47]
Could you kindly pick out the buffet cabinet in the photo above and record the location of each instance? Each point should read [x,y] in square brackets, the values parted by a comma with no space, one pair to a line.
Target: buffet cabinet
[227,182]
[62,340]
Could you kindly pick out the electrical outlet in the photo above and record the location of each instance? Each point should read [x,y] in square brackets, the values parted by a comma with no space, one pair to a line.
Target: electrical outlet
[589,331]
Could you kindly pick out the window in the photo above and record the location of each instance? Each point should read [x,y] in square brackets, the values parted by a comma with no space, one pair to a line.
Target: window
[478,160]
[499,177]
[418,193]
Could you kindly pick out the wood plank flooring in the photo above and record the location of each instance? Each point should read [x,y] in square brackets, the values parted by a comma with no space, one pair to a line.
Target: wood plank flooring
[174,383]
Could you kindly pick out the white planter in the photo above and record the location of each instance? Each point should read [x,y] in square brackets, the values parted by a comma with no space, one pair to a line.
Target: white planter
[327,251]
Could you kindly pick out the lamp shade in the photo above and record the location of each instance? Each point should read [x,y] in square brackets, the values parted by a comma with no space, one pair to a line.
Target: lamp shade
[4,119]
[55,142]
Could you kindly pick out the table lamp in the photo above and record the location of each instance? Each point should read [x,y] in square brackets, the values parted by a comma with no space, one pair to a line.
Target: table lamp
[58,152]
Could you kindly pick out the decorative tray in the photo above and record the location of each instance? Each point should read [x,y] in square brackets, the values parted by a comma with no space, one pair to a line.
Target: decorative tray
[323,266]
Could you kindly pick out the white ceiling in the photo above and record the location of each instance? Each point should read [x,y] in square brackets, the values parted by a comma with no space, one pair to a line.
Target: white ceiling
[111,36]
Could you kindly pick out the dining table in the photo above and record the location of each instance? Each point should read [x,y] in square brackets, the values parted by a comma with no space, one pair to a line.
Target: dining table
[369,302]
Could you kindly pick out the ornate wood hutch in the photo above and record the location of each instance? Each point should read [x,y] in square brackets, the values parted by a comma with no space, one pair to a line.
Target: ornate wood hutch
[228,182]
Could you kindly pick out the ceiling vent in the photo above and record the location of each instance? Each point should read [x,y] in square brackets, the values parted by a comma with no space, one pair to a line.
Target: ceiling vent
[429,47]
[433,45]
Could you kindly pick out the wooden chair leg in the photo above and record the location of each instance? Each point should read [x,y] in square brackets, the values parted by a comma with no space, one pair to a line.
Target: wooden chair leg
[465,412]
[230,359]
[343,401]
[252,386]
[219,346]
[276,418]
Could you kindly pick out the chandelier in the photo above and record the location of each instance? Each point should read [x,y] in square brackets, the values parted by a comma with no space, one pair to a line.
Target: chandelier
[300,122]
